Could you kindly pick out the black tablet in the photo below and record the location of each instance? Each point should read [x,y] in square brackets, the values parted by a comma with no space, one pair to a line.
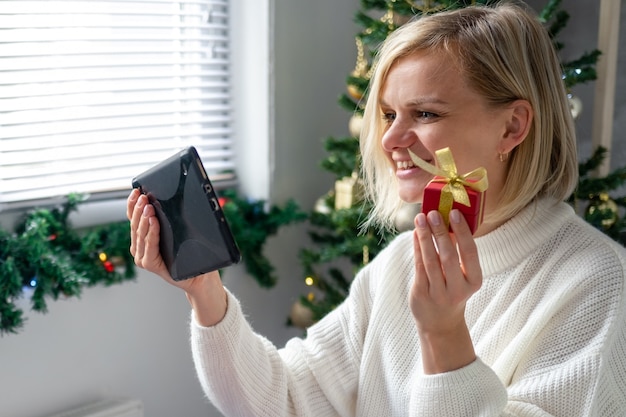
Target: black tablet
[195,236]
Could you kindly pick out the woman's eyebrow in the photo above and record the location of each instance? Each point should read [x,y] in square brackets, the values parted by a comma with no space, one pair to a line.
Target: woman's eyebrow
[427,100]
[418,101]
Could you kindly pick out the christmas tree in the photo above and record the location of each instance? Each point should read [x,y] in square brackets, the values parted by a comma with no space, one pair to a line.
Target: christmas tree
[343,247]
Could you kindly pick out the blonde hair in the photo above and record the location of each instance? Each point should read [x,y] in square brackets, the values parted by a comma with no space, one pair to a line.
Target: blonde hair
[506,54]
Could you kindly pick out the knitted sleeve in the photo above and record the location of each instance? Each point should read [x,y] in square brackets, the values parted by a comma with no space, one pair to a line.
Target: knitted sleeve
[244,374]
[473,390]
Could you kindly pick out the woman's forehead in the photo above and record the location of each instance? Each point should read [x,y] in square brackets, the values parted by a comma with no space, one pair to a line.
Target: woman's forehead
[426,71]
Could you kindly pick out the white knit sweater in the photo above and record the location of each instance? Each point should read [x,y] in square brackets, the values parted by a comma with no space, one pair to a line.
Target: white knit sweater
[548,326]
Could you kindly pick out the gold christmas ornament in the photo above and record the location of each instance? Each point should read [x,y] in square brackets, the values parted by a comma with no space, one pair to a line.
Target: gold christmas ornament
[575,105]
[301,316]
[605,205]
[354,92]
[361,70]
[348,191]
[321,206]
[362,66]
[355,125]
[366,254]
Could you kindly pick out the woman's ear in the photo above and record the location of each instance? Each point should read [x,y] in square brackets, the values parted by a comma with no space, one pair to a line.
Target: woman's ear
[519,121]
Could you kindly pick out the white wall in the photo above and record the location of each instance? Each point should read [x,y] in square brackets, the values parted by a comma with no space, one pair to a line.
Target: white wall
[126,340]
[131,339]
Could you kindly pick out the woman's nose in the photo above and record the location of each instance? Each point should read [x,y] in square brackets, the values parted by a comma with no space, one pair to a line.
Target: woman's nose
[397,136]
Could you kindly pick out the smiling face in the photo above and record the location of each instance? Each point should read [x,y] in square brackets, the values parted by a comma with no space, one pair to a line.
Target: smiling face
[427,105]
[461,79]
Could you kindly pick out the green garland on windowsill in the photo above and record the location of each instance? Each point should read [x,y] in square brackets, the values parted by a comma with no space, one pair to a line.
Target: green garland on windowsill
[47,255]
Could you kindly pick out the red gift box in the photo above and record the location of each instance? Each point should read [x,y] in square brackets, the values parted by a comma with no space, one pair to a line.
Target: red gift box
[432,201]
[448,190]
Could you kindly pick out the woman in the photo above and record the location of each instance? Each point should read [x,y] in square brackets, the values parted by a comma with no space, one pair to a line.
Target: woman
[527,317]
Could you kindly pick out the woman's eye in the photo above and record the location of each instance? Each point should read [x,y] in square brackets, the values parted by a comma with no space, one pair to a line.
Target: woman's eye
[389,117]
[426,115]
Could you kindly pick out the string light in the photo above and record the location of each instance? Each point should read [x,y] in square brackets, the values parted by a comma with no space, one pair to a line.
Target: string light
[108,265]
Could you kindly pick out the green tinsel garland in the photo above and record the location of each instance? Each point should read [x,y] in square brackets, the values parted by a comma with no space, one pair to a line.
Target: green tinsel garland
[47,255]
[44,253]
[251,225]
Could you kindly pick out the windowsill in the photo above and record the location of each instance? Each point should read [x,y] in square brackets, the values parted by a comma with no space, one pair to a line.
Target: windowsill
[98,212]
[86,214]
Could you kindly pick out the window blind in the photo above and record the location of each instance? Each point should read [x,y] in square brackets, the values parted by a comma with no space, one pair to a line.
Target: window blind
[94,92]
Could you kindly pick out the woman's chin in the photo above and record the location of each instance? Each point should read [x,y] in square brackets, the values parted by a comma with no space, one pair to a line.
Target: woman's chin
[410,196]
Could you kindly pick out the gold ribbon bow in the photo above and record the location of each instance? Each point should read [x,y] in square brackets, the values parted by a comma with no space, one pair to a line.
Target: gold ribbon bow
[454,190]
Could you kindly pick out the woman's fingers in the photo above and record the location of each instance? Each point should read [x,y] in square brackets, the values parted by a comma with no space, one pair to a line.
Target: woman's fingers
[143,227]
[449,261]
[450,264]
[131,201]
[134,210]
[151,250]
[137,214]
[467,250]
[429,253]
[145,235]
[144,231]
[421,285]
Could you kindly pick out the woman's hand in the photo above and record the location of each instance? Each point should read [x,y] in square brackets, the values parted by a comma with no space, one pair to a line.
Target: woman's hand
[447,274]
[205,292]
[144,235]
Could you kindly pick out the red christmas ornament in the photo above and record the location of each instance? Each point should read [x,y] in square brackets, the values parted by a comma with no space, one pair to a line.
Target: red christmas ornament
[222,201]
[108,266]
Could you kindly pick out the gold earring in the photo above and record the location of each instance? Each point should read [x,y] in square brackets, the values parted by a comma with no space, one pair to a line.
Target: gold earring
[503,156]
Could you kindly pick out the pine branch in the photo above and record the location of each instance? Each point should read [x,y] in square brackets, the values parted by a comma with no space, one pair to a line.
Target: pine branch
[348,104]
[596,159]
[252,225]
[46,254]
[581,70]
[342,158]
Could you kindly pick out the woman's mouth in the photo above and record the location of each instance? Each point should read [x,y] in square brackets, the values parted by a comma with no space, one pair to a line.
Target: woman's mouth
[400,165]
